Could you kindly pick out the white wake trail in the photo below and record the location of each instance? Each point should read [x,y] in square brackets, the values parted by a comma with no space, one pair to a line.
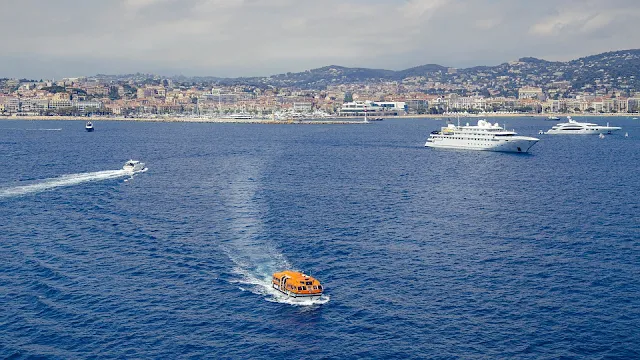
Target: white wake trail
[64,180]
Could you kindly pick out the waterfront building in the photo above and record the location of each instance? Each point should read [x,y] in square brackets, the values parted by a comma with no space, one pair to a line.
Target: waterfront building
[84,105]
[358,108]
[11,104]
[56,103]
[530,92]
[302,106]
[633,104]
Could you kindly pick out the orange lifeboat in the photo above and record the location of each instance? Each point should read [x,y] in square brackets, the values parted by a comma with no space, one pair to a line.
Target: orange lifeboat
[297,285]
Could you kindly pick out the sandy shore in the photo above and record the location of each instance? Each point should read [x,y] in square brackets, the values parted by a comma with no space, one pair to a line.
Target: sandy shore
[336,120]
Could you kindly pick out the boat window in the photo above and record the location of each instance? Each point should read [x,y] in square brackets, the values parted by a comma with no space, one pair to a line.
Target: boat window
[319,287]
[304,288]
[299,288]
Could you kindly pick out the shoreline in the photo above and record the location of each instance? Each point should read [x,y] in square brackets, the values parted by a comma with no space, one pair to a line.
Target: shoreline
[333,120]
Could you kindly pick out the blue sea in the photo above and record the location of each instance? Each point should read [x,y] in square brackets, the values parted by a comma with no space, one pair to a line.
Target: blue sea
[424,253]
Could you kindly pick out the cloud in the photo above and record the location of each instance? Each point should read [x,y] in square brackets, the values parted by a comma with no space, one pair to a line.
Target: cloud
[260,37]
[422,8]
[572,22]
[576,18]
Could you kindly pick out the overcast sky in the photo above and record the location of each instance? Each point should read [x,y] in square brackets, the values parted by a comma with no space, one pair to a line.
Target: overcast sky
[229,38]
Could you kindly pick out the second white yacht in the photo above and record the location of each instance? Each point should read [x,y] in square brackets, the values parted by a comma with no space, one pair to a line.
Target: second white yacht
[484,136]
[580,128]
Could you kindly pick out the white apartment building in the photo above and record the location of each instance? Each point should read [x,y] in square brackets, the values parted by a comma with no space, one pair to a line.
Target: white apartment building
[530,92]
[84,105]
[302,106]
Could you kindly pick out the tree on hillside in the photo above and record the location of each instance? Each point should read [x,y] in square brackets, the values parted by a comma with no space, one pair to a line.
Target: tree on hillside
[113,93]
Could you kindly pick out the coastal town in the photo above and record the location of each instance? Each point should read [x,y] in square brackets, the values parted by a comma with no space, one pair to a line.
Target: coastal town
[600,84]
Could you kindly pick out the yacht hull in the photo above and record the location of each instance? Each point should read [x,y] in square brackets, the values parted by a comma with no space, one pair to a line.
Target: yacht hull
[298,297]
[596,131]
[514,146]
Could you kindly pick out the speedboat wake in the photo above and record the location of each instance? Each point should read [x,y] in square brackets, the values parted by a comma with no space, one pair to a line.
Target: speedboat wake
[64,180]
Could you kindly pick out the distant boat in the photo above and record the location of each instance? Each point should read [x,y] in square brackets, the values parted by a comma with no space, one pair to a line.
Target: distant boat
[553,118]
[89,126]
[601,136]
[635,118]
[626,134]
[241,116]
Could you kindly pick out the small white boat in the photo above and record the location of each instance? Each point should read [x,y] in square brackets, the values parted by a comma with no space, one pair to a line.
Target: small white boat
[601,136]
[88,126]
[553,118]
[133,166]
[241,116]
[626,134]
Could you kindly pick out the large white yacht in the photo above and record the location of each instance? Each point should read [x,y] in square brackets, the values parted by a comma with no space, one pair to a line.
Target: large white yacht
[574,127]
[484,136]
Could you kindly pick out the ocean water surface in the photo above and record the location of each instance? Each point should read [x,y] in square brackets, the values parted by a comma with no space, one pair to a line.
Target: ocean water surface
[424,253]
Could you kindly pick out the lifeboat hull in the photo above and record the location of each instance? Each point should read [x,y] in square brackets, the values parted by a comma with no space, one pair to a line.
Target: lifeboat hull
[300,297]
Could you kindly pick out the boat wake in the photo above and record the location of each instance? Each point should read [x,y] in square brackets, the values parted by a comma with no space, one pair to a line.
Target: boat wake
[255,257]
[64,180]
[36,129]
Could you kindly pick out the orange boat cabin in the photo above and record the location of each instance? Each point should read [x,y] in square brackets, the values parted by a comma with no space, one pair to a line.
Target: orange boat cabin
[296,284]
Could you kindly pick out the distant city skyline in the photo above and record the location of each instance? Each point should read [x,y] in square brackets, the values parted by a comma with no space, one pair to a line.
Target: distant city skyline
[232,38]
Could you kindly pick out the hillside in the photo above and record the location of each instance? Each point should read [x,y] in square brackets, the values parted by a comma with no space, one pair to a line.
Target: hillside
[612,70]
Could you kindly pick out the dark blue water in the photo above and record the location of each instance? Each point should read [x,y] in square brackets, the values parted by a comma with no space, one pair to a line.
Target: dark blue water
[424,253]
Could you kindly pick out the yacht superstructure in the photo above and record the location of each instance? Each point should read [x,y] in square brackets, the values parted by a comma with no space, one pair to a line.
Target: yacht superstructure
[484,136]
[574,127]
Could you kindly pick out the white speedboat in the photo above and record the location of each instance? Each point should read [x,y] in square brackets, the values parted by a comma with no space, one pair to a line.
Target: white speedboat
[580,128]
[88,126]
[484,136]
[553,118]
[133,166]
